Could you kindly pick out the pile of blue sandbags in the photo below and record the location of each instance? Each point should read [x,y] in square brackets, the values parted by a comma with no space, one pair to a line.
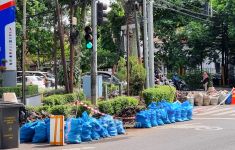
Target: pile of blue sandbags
[163,112]
[77,130]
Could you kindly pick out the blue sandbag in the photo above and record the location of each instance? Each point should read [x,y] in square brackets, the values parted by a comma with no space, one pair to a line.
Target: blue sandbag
[177,106]
[40,132]
[164,116]
[170,109]
[27,132]
[47,121]
[171,113]
[73,130]
[153,117]
[143,120]
[159,117]
[119,125]
[112,129]
[184,114]
[86,132]
[189,110]
[96,127]
[152,105]
[103,132]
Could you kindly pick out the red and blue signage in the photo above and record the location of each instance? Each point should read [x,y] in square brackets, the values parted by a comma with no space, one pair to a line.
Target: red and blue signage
[7,34]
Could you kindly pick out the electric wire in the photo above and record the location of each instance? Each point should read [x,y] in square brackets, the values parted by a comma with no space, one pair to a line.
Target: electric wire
[183,13]
[182,8]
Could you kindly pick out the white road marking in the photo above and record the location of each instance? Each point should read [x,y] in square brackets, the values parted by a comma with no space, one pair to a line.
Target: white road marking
[82,148]
[213,111]
[214,118]
[195,126]
[225,113]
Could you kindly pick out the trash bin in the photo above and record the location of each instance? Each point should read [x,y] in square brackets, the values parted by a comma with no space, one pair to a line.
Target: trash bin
[9,125]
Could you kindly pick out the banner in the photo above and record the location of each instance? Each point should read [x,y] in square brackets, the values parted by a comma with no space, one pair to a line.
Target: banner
[7,34]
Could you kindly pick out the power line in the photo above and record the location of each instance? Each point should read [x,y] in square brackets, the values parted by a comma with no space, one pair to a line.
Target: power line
[157,6]
[182,8]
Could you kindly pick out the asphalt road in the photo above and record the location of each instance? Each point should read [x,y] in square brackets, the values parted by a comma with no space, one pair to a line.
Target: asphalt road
[211,129]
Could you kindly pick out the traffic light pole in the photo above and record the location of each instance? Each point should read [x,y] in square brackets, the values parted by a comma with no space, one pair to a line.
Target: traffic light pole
[94,54]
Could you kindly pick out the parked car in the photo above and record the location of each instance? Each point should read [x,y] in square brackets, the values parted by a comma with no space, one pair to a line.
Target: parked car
[48,77]
[32,80]
[107,77]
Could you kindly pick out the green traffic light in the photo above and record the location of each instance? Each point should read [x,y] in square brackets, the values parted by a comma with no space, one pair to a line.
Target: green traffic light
[89,45]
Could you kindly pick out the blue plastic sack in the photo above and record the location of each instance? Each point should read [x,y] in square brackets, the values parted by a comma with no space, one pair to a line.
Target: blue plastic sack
[86,132]
[184,114]
[47,121]
[103,132]
[143,120]
[40,132]
[153,117]
[189,110]
[73,130]
[229,99]
[152,105]
[96,127]
[85,116]
[171,113]
[159,117]
[119,125]
[112,130]
[27,132]
[164,116]
[177,106]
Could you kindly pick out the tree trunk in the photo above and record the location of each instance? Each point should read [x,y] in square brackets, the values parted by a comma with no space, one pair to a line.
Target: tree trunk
[61,36]
[71,70]
[55,53]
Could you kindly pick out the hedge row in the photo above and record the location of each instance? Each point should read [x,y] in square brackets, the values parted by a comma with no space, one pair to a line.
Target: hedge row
[158,93]
[63,99]
[66,110]
[116,105]
[29,91]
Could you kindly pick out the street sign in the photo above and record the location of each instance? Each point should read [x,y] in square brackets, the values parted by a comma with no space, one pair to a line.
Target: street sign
[7,34]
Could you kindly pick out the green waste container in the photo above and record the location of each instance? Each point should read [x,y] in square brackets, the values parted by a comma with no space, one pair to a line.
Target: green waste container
[9,125]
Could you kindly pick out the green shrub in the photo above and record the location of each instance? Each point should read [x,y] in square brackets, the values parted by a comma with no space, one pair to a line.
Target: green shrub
[70,97]
[60,110]
[54,100]
[42,108]
[81,96]
[62,99]
[116,105]
[50,92]
[78,110]
[158,93]
[106,107]
[137,76]
[122,102]
[29,91]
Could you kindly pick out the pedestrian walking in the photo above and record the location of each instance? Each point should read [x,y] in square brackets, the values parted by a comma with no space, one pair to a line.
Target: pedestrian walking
[205,80]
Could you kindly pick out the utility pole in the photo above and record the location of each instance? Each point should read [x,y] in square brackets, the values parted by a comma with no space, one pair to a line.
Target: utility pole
[137,31]
[128,55]
[94,54]
[150,42]
[146,53]
[24,50]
